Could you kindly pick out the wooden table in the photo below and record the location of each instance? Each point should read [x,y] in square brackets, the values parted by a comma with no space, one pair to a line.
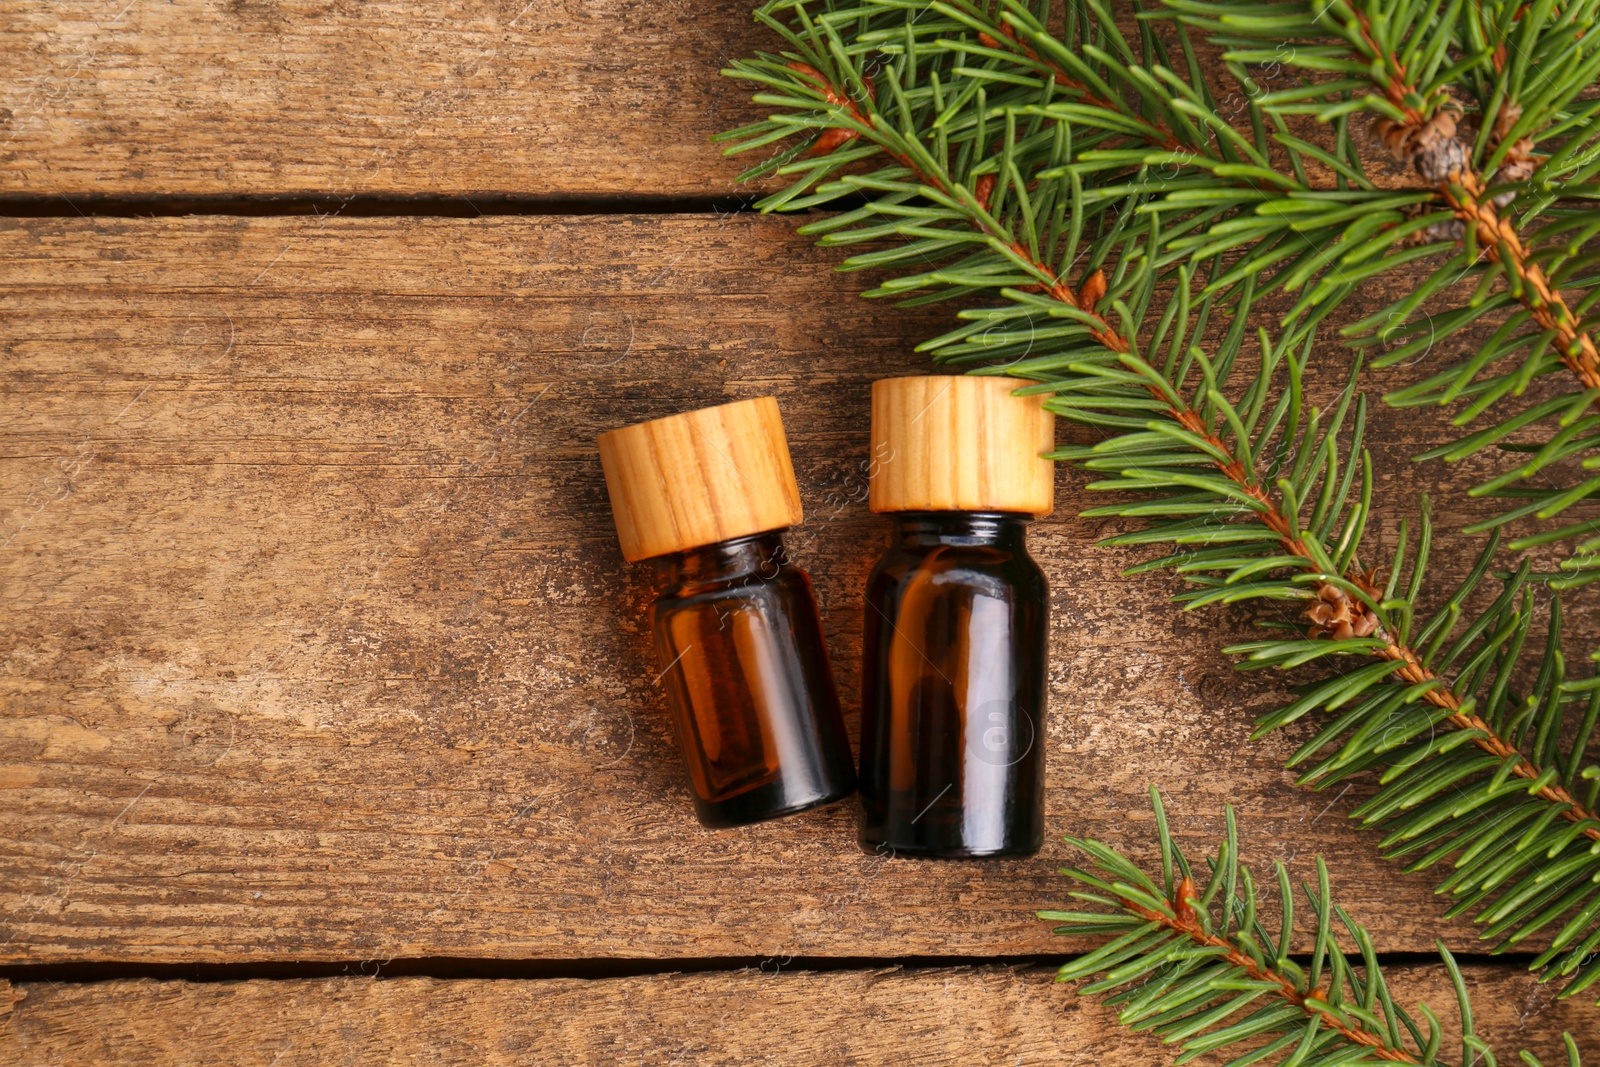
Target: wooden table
[320,660]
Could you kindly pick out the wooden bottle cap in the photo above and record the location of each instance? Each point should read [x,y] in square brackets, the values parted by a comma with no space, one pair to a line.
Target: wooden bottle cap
[964,443]
[699,478]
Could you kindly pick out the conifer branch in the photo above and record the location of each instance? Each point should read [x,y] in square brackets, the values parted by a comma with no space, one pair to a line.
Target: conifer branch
[1332,604]
[1340,616]
[1181,918]
[1465,192]
[1198,967]
[1500,196]
[1426,138]
[996,177]
[1336,242]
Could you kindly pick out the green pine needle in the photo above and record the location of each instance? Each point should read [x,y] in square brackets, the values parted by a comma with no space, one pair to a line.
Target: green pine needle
[1192,962]
[1007,155]
[1109,220]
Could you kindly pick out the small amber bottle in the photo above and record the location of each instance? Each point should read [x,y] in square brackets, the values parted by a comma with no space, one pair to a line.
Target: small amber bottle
[705,496]
[954,656]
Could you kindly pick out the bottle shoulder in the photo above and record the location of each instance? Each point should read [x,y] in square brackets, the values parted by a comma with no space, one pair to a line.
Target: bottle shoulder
[741,566]
[984,566]
[773,583]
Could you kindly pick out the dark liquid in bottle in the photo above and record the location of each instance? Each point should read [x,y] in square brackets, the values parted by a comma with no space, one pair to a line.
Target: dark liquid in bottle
[748,681]
[952,754]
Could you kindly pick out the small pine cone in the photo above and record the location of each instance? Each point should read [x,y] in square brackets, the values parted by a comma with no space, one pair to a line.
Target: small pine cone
[1330,613]
[1448,230]
[1437,160]
[1432,146]
[1339,616]
[1519,165]
[1367,581]
[1442,127]
[1520,162]
[1394,136]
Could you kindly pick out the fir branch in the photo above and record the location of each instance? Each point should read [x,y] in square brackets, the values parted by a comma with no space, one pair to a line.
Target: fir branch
[1199,968]
[1340,616]
[1418,57]
[1425,135]
[1471,772]
[1327,244]
[859,119]
[1332,602]
[993,186]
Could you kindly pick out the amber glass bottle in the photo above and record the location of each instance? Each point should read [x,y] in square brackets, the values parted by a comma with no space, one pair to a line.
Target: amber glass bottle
[955,648]
[705,496]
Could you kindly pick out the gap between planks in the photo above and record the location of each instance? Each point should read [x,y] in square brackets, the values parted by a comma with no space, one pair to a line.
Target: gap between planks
[455,206]
[467,967]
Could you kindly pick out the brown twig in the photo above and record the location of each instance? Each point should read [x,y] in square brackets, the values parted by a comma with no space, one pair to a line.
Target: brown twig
[1184,920]
[1055,285]
[1429,142]
[1464,191]
[1410,668]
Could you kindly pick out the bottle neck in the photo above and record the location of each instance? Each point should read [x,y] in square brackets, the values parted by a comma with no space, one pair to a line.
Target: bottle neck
[755,557]
[1001,529]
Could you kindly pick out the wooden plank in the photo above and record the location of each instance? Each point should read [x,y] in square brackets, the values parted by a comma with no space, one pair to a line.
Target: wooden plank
[320,646]
[932,1016]
[471,99]
[305,98]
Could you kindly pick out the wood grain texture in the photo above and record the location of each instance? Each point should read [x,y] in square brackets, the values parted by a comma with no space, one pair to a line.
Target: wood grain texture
[549,100]
[932,1017]
[327,98]
[698,478]
[960,443]
[319,645]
